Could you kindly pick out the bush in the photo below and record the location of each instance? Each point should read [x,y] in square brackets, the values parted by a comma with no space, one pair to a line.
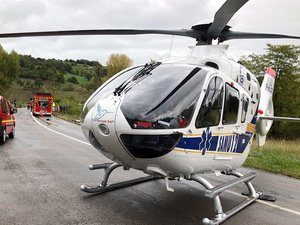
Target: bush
[73,80]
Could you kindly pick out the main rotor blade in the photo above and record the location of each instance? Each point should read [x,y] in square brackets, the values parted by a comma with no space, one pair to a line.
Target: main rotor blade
[183,32]
[222,17]
[228,35]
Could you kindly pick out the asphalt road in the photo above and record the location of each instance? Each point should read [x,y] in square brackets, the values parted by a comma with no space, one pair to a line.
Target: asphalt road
[41,171]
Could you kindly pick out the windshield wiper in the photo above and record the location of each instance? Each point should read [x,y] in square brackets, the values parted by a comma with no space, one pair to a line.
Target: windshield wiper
[118,90]
[146,70]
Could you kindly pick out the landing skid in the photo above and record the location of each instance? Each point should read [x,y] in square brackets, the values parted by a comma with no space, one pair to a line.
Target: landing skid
[105,187]
[210,192]
[214,192]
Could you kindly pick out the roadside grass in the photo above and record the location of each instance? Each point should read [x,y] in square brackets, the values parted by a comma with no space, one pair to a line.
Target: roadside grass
[67,117]
[277,156]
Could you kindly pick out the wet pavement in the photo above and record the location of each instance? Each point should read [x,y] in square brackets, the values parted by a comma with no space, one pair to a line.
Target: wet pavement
[42,168]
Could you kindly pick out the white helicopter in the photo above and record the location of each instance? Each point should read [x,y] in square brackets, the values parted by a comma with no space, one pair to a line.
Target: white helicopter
[184,117]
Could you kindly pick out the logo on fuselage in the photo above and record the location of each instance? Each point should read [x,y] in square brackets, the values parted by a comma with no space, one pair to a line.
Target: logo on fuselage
[205,143]
[101,112]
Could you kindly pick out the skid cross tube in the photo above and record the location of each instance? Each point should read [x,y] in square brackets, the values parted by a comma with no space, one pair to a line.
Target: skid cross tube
[213,192]
[105,187]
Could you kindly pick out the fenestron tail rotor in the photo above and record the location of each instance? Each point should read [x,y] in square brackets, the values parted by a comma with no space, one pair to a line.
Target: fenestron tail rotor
[203,33]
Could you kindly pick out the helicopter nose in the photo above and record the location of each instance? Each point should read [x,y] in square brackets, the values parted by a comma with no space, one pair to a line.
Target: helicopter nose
[99,126]
[99,118]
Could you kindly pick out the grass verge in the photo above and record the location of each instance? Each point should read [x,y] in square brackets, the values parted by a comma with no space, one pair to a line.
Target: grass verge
[277,156]
[67,117]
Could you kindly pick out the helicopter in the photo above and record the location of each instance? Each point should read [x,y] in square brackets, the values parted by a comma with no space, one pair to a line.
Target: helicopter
[180,118]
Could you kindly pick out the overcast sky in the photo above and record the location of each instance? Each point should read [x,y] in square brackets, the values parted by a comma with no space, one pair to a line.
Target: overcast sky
[273,16]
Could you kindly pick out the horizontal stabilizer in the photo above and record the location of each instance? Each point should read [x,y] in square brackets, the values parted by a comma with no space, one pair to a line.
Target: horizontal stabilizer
[278,118]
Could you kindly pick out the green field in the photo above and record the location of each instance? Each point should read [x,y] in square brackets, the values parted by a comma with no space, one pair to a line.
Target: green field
[277,156]
[81,79]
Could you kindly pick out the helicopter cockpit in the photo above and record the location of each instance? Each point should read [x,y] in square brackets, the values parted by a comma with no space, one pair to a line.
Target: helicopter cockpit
[165,98]
[155,96]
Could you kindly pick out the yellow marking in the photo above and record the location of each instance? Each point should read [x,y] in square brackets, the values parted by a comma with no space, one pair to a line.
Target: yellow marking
[251,127]
[7,121]
[191,135]
[224,134]
[229,153]
[187,151]
[208,152]
[214,134]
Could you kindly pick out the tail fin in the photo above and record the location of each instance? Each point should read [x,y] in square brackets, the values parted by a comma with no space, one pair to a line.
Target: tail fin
[265,107]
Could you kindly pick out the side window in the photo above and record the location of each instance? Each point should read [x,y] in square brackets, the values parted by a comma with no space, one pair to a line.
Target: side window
[245,104]
[211,108]
[3,106]
[231,106]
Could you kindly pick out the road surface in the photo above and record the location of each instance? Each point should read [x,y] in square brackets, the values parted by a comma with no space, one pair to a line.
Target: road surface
[42,168]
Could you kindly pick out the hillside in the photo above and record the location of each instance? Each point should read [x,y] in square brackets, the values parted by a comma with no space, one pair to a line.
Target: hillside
[70,81]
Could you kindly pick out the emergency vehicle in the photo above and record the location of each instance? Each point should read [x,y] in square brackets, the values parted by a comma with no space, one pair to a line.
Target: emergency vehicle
[7,120]
[42,104]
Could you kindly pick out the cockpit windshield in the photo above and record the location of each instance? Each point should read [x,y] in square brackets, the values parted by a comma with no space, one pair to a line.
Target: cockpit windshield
[165,98]
[111,87]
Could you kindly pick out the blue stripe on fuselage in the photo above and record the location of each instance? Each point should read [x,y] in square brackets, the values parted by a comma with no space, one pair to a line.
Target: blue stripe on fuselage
[220,143]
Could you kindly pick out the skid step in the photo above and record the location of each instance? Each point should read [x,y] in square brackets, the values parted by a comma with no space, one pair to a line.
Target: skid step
[263,197]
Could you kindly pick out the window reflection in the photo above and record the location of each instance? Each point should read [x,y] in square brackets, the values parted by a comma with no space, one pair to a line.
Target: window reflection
[231,106]
[245,104]
[165,99]
[211,108]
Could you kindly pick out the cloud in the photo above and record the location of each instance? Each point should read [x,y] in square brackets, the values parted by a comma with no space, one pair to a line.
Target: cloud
[17,15]
[37,15]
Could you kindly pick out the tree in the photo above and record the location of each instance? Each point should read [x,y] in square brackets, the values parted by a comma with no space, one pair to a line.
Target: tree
[117,62]
[285,60]
[9,69]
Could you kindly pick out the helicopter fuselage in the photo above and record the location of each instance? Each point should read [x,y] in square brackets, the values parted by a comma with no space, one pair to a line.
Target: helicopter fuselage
[177,117]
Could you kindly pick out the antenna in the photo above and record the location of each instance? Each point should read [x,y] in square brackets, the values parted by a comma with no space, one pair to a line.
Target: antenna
[169,55]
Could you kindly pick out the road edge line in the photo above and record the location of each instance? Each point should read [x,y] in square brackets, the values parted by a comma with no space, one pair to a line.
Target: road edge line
[56,132]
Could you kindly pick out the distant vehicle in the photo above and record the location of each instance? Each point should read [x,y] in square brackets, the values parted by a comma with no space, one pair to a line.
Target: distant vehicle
[42,104]
[7,120]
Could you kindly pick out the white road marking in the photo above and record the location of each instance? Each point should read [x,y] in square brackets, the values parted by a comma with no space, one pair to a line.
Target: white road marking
[268,204]
[231,192]
[56,132]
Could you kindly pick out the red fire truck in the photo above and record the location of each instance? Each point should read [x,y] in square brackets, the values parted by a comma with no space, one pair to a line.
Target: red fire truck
[42,104]
[7,120]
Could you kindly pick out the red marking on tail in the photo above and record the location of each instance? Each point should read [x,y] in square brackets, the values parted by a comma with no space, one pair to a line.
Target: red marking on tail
[260,112]
[271,72]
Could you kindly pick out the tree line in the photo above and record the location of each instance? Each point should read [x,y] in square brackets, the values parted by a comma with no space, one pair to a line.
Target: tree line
[9,68]
[40,70]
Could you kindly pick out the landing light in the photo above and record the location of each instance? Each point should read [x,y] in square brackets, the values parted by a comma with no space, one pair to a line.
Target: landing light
[104,129]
